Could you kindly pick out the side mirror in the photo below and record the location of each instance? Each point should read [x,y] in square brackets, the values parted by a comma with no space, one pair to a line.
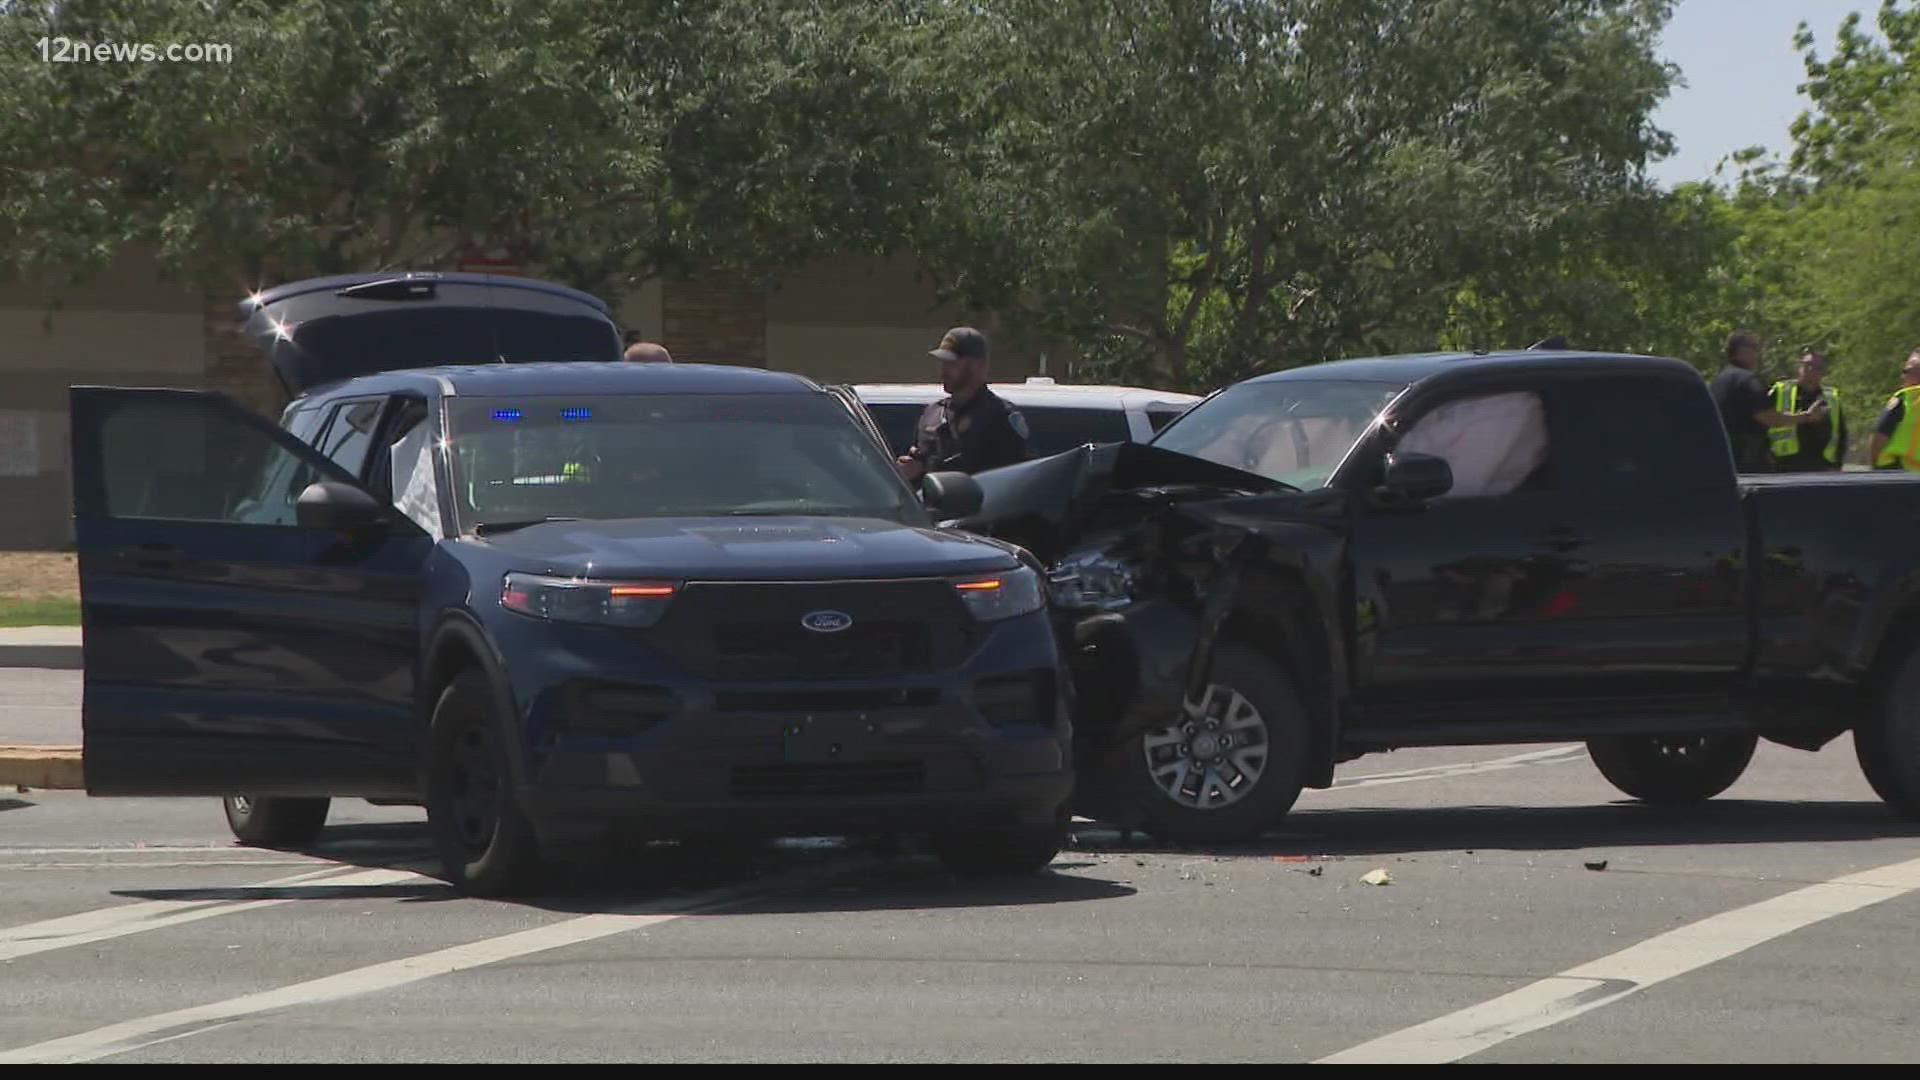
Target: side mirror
[953,494]
[329,504]
[1416,477]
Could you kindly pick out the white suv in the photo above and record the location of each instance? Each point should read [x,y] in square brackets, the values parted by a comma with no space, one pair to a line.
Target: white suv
[1060,417]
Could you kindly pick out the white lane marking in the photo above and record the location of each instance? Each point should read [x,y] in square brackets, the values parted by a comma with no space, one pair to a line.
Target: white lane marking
[120,864]
[105,924]
[1611,978]
[146,1031]
[1554,756]
[149,849]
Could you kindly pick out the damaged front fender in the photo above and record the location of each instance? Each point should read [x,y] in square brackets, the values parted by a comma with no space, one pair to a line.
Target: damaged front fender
[1156,559]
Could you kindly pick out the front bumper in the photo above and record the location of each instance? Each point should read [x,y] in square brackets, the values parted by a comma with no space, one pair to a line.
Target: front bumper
[618,738]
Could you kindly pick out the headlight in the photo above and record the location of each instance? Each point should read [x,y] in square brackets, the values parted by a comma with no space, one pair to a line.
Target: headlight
[1002,596]
[615,603]
[1092,581]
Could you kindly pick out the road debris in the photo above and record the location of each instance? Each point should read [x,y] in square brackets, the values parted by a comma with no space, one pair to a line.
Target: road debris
[1378,876]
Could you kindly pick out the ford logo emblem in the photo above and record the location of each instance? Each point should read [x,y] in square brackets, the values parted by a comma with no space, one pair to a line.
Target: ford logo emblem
[826,622]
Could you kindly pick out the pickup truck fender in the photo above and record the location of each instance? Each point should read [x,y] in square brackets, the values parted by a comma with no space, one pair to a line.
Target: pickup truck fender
[1219,556]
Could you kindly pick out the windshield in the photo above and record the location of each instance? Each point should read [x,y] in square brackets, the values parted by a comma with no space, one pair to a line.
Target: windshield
[1293,431]
[517,459]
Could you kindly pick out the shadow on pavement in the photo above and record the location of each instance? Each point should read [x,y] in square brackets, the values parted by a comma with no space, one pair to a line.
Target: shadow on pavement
[747,877]
[1402,831]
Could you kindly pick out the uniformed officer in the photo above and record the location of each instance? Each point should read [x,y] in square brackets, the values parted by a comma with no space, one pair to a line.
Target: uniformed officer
[972,429]
[1893,445]
[1746,412]
[1819,446]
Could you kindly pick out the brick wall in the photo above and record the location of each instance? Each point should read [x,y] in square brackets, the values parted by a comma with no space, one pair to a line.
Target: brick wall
[715,321]
[235,366]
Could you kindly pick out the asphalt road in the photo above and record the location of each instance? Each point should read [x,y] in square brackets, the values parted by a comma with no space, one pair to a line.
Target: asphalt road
[1775,924]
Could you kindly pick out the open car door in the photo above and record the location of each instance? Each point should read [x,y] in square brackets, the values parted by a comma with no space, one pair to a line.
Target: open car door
[248,610]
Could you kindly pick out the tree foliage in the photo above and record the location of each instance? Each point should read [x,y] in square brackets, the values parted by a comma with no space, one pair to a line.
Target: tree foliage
[1173,193]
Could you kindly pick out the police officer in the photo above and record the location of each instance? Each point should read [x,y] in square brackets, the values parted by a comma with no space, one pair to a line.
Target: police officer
[1745,411]
[1893,445]
[972,429]
[1818,446]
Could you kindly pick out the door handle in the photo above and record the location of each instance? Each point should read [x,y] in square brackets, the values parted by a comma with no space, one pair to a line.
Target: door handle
[153,556]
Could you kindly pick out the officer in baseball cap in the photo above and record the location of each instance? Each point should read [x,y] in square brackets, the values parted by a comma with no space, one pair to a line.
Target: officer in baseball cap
[972,429]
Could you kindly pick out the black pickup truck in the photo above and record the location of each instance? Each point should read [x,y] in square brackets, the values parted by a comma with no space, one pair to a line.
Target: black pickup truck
[1457,549]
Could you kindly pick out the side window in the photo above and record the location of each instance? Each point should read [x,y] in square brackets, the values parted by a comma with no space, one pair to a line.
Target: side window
[1159,416]
[178,459]
[897,422]
[350,433]
[1496,444]
[406,414]
[1056,428]
[410,482]
[1640,435]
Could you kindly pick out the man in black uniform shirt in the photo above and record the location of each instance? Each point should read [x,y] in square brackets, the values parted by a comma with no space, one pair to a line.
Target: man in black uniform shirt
[1746,408]
[972,428]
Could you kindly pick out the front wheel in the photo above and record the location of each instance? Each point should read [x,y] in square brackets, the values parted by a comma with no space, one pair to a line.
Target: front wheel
[1886,742]
[1673,770]
[487,846]
[275,822]
[1228,767]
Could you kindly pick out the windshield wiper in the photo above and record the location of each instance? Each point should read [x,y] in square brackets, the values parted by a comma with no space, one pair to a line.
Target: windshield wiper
[486,528]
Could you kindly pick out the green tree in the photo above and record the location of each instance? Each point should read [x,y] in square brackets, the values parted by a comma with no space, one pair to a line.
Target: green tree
[603,141]
[1197,191]
[1854,91]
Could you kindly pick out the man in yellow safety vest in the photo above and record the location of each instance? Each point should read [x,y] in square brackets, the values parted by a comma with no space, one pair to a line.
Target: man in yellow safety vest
[1894,445]
[1818,445]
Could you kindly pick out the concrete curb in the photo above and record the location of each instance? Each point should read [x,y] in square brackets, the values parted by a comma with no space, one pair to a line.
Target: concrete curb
[52,768]
[55,647]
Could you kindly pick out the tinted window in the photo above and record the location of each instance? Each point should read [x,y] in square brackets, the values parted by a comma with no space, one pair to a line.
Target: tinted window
[1159,416]
[1057,428]
[897,423]
[186,459]
[1640,435]
[410,337]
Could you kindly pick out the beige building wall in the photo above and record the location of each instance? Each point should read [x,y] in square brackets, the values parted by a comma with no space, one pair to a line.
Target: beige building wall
[863,319]
[126,327]
[851,319]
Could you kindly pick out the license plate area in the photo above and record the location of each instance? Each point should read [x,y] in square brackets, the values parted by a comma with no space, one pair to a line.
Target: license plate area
[833,737]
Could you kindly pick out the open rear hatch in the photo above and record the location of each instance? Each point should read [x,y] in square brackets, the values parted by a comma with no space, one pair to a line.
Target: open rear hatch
[324,330]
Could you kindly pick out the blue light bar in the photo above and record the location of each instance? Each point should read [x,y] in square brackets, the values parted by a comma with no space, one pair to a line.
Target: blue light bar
[507,414]
[576,413]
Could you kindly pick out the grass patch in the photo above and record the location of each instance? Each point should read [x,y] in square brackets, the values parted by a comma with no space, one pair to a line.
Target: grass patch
[40,611]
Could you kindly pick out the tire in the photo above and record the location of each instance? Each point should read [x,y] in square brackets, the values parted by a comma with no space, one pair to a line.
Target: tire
[1887,742]
[487,846]
[275,822]
[1249,698]
[1014,852]
[1673,770]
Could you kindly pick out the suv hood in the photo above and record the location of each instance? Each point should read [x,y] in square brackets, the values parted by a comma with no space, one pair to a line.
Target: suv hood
[755,548]
[324,330]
